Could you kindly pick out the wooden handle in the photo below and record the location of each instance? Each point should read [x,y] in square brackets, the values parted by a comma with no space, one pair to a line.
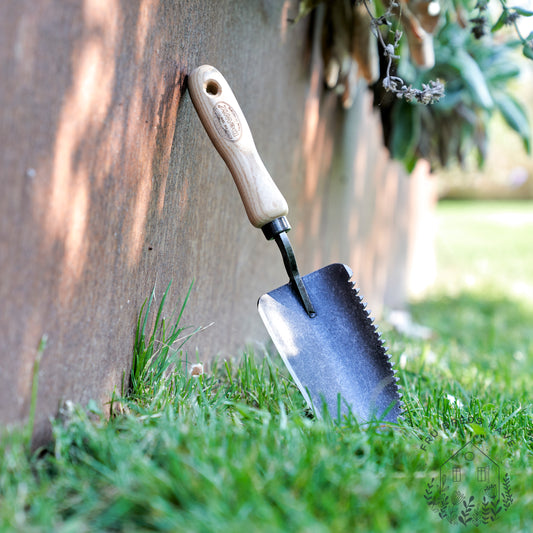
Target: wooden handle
[228,130]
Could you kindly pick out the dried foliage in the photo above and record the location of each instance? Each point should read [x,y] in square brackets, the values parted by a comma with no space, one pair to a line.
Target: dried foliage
[420,51]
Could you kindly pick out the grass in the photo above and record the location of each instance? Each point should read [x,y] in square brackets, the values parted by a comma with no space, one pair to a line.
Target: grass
[486,247]
[235,448]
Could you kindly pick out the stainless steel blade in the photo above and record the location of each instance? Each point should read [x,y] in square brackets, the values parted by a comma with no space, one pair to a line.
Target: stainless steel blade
[336,358]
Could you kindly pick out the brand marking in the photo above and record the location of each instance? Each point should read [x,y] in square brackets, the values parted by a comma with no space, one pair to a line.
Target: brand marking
[227,122]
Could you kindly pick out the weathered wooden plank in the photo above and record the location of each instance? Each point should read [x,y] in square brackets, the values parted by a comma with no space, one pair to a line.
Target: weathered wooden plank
[111,186]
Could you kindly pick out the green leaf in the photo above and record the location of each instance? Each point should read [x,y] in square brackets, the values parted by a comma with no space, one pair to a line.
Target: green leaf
[528,46]
[502,72]
[305,7]
[410,163]
[500,66]
[523,12]
[504,17]
[515,116]
[473,77]
[502,20]
[451,99]
[465,141]
[477,429]
[406,131]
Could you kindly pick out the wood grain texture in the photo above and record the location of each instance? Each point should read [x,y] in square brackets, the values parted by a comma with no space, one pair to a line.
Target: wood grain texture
[229,132]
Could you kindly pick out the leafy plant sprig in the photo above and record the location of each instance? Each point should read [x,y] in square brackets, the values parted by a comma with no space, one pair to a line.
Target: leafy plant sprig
[510,17]
[430,93]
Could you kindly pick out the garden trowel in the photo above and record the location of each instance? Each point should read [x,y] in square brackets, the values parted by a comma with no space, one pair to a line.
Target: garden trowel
[317,322]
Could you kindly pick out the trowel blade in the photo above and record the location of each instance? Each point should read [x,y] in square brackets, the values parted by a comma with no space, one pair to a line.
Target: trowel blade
[337,358]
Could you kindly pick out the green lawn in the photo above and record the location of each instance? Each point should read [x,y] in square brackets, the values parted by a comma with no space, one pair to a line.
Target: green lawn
[235,449]
[486,245]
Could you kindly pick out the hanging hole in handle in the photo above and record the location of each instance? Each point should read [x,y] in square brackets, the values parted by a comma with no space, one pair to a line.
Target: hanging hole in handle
[212,88]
